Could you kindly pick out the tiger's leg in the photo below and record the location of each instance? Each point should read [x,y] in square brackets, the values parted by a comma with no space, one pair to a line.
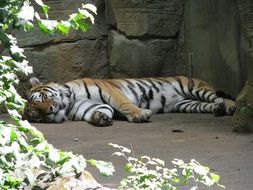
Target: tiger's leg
[193,106]
[122,104]
[219,108]
[95,113]
[194,89]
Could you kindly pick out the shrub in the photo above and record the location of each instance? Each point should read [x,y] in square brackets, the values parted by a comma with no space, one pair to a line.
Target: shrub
[151,173]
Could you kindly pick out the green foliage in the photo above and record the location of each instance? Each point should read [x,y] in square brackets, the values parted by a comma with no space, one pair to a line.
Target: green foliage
[24,153]
[151,173]
[248,109]
[105,168]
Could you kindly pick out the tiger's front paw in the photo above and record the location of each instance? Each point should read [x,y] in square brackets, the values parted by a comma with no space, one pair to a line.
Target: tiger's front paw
[140,117]
[101,119]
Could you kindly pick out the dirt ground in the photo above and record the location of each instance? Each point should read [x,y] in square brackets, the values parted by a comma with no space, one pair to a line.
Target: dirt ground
[208,139]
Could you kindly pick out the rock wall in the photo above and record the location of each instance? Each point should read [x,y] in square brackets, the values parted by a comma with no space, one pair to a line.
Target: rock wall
[141,38]
[130,38]
[243,117]
[214,43]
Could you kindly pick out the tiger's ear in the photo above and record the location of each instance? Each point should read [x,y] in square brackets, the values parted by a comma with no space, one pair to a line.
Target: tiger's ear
[35,82]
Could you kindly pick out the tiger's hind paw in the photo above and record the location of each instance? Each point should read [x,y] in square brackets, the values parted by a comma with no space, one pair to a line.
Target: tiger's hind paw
[230,106]
[219,109]
[142,116]
[101,119]
[224,108]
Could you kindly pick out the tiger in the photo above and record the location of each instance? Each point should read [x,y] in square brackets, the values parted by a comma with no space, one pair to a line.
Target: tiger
[97,101]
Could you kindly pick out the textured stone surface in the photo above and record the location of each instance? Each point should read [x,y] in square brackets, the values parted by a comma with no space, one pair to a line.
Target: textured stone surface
[213,43]
[150,51]
[141,58]
[145,17]
[66,61]
[243,120]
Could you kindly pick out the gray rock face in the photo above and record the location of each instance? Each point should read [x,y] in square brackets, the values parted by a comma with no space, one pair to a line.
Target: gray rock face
[141,58]
[67,61]
[133,38]
[145,17]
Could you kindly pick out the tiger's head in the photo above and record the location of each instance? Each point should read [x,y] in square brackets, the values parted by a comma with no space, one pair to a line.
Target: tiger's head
[45,103]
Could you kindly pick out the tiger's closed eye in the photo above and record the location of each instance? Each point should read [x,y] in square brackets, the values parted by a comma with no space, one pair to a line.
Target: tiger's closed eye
[51,108]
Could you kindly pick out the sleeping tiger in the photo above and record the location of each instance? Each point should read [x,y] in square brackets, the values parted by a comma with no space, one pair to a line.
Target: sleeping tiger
[96,101]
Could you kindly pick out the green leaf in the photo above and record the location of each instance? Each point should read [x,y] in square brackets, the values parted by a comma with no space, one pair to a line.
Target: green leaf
[84,26]
[13,135]
[105,168]
[64,27]
[28,26]
[215,177]
[63,160]
[45,9]
[86,14]
[13,182]
[128,167]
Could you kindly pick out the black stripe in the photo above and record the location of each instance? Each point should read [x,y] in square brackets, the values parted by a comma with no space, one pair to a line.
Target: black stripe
[153,84]
[53,89]
[68,88]
[48,90]
[208,97]
[89,108]
[204,107]
[203,95]
[129,82]
[181,85]
[73,118]
[190,85]
[163,80]
[197,94]
[143,82]
[145,97]
[105,107]
[141,88]
[182,103]
[151,94]
[70,108]
[134,93]
[201,108]
[163,101]
[193,109]
[77,83]
[86,89]
[160,83]
[100,93]
[184,109]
